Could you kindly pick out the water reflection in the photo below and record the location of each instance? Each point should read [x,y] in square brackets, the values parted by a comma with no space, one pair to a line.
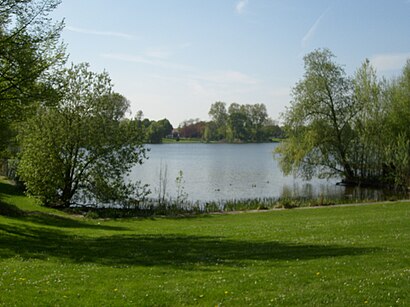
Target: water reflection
[217,172]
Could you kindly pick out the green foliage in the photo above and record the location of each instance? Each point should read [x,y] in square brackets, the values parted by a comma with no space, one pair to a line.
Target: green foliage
[217,128]
[81,148]
[157,130]
[29,49]
[354,128]
[154,131]
[241,123]
[317,122]
[368,152]
[182,196]
[398,132]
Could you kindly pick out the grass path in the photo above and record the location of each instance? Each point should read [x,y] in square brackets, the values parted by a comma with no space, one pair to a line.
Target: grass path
[339,256]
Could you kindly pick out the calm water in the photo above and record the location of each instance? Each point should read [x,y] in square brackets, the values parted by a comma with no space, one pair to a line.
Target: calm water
[226,171]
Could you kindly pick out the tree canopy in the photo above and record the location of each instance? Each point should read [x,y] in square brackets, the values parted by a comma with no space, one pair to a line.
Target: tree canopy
[239,123]
[81,148]
[347,127]
[29,48]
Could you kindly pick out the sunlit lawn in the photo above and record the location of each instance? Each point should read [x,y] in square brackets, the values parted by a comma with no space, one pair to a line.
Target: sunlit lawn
[344,256]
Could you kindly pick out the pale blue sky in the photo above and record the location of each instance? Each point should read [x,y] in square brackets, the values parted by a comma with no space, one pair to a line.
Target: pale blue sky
[175,58]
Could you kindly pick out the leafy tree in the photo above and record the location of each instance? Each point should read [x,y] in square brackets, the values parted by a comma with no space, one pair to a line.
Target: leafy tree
[219,116]
[157,130]
[239,122]
[246,123]
[29,48]
[81,148]
[210,132]
[368,145]
[318,122]
[258,118]
[398,134]
[354,128]
[271,129]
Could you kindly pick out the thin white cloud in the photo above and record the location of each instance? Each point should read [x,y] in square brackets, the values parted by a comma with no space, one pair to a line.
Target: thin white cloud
[219,78]
[240,6]
[389,61]
[213,78]
[311,32]
[101,33]
[144,60]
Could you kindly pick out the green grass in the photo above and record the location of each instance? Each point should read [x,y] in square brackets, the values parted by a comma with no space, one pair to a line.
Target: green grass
[277,140]
[181,141]
[340,256]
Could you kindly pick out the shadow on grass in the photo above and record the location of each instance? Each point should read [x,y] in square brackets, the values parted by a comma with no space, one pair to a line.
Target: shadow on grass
[48,219]
[65,222]
[41,218]
[10,210]
[6,190]
[184,252]
[9,189]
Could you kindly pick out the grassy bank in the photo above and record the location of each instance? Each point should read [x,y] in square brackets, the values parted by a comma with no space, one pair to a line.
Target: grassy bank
[199,140]
[343,256]
[181,141]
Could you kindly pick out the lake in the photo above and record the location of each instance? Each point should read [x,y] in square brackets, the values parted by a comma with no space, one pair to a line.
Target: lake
[218,172]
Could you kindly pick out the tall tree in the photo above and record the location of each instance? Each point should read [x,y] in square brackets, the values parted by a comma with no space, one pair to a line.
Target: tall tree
[29,48]
[157,130]
[259,118]
[318,121]
[240,122]
[398,134]
[369,125]
[81,149]
[219,116]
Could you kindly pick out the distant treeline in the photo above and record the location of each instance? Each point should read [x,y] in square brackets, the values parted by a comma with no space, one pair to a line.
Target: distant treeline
[235,124]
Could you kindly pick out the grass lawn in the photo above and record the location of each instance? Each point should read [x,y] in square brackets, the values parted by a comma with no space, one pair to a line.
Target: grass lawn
[341,256]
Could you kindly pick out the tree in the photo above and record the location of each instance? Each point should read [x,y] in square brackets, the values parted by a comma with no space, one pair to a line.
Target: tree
[259,118]
[219,116]
[240,122]
[81,148]
[210,132]
[29,48]
[318,122]
[271,129]
[243,123]
[192,128]
[368,145]
[398,135]
[157,130]
[354,128]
